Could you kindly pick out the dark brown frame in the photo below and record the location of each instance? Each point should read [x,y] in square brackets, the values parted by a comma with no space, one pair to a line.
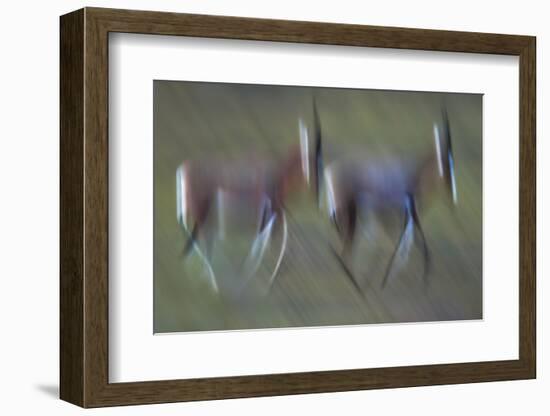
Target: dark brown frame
[84,207]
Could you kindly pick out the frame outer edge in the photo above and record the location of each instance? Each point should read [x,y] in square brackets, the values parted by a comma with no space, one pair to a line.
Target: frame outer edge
[528,208]
[95,201]
[342,34]
[71,291]
[84,208]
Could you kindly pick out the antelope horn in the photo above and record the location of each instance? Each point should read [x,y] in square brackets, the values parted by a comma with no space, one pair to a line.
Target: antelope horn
[445,154]
[319,166]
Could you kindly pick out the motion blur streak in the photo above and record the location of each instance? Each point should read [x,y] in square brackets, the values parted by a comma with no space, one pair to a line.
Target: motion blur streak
[270,182]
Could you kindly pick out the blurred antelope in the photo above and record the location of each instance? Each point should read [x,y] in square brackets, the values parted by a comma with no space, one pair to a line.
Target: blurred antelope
[359,185]
[261,186]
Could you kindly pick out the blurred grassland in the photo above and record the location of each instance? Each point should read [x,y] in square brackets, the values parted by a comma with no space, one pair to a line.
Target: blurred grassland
[194,120]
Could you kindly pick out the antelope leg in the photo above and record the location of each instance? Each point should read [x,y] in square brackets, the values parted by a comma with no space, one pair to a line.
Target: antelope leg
[425,250]
[347,271]
[351,227]
[403,247]
[345,223]
[191,240]
[281,254]
[191,245]
[265,214]
[211,275]
[256,254]
[347,236]
[200,221]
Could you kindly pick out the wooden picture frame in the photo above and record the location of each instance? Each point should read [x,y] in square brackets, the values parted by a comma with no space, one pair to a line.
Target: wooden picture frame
[84,207]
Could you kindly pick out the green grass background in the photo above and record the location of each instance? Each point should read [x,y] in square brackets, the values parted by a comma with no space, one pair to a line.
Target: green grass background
[194,120]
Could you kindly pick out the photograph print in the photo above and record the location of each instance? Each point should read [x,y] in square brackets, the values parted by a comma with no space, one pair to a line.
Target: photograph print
[291,206]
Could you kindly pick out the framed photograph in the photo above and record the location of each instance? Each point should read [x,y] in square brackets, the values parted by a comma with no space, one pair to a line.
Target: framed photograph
[260,207]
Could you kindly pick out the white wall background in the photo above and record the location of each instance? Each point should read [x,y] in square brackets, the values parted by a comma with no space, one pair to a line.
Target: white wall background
[29,160]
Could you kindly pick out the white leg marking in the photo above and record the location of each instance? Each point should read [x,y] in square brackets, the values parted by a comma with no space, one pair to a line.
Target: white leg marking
[403,250]
[211,275]
[304,149]
[453,180]
[281,254]
[265,207]
[331,201]
[406,242]
[438,150]
[181,193]
[257,252]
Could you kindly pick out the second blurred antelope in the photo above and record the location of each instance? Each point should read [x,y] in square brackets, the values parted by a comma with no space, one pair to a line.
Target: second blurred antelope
[361,186]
